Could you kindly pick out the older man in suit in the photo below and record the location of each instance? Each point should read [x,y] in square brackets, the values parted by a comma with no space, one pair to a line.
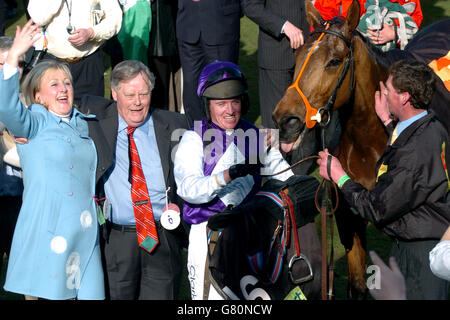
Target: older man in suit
[207,30]
[133,269]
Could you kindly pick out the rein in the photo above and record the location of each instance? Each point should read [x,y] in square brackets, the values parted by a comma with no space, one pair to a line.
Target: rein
[312,117]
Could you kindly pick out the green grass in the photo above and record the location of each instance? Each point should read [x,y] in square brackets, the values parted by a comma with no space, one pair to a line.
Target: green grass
[434,10]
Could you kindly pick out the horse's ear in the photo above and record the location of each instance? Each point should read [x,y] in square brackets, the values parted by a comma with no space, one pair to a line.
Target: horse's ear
[313,15]
[352,19]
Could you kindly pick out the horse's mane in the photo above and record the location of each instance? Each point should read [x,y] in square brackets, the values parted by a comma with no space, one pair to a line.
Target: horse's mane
[374,52]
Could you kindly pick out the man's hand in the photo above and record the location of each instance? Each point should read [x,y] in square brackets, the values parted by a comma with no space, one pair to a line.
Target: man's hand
[79,37]
[19,140]
[381,105]
[392,282]
[382,36]
[336,170]
[294,34]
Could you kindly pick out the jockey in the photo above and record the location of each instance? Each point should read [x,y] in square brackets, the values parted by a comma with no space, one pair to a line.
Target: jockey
[219,162]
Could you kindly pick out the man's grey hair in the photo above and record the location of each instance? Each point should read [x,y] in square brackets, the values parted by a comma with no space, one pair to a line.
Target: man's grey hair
[127,70]
[6,43]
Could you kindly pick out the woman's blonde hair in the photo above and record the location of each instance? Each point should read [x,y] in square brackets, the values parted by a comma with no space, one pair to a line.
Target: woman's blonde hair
[32,82]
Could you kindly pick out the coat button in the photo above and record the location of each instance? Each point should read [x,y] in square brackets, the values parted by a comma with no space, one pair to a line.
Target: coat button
[68,140]
[70,166]
[70,193]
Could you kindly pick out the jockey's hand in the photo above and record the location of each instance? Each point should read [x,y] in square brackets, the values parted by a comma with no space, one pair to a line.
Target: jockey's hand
[294,34]
[381,105]
[241,170]
[382,36]
[270,137]
[389,283]
[336,169]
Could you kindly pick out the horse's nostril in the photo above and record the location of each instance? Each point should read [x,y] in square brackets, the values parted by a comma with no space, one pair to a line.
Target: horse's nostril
[293,122]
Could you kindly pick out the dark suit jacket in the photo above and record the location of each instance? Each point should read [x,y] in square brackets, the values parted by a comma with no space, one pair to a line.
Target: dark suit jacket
[103,130]
[218,21]
[274,50]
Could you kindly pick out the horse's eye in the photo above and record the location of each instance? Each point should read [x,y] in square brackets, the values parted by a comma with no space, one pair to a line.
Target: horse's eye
[334,62]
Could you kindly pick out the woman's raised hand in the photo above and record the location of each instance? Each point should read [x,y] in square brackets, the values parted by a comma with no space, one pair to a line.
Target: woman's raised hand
[23,40]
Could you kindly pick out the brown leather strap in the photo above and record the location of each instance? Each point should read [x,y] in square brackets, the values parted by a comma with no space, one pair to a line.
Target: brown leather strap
[207,275]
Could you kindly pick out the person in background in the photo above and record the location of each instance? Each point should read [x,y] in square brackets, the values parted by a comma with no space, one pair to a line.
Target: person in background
[282,29]
[393,32]
[55,252]
[137,266]
[206,31]
[134,34]
[75,30]
[163,55]
[226,171]
[3,15]
[408,202]
[11,184]
[440,257]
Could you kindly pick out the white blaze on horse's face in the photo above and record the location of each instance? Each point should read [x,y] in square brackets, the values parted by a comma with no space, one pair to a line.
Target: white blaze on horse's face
[225,113]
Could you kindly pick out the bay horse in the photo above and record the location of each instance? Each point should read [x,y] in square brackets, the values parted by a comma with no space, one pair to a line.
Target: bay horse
[336,71]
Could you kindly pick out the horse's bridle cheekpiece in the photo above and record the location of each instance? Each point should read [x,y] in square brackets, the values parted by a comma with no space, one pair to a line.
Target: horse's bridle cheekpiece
[314,115]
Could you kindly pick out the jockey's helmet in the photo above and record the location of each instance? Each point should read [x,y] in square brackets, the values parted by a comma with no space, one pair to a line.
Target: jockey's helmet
[223,80]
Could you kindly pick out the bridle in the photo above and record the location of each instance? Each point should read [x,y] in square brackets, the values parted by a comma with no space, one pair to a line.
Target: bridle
[314,115]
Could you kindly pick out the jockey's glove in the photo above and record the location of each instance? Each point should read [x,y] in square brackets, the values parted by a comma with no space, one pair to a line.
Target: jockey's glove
[241,170]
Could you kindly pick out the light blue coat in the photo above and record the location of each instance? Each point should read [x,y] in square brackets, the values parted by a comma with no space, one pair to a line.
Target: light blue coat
[55,252]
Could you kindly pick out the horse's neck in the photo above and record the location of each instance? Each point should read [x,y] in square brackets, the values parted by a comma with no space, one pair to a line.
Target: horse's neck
[368,74]
[364,138]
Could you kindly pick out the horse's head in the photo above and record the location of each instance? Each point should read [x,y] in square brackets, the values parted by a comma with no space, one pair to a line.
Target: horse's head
[323,78]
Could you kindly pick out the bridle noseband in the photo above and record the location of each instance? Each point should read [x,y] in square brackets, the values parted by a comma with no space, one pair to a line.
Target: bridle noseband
[314,115]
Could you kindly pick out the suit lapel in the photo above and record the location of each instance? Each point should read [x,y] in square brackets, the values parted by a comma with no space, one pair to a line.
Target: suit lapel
[162,135]
[103,130]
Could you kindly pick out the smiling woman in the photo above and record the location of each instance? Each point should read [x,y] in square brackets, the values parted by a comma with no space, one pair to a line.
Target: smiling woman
[51,86]
[55,252]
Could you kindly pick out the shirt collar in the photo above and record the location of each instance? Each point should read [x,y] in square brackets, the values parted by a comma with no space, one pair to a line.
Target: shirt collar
[145,127]
[402,125]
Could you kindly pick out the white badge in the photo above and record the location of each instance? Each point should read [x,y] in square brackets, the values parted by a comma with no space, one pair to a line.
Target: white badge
[170,218]
[107,209]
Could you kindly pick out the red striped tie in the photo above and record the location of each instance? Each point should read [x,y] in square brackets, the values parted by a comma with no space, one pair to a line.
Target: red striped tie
[145,224]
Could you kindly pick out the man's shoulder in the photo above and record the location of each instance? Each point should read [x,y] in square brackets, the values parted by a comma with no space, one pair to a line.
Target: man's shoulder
[173,119]
[431,125]
[100,106]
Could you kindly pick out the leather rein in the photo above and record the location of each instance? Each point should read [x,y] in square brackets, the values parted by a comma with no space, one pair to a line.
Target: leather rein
[312,117]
